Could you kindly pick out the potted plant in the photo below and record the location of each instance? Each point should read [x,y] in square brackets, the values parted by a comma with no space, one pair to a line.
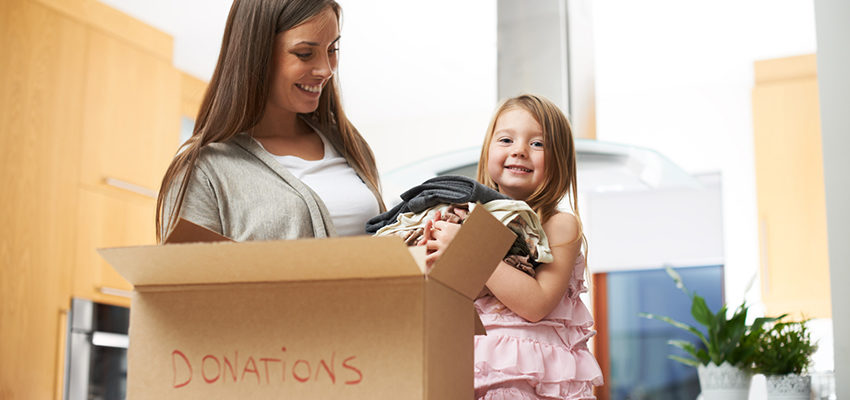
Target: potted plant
[783,353]
[729,346]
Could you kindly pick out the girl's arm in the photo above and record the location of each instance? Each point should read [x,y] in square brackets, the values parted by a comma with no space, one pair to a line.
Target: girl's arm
[533,298]
[530,298]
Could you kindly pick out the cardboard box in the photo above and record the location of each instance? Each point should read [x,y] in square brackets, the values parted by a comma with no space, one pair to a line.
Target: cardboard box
[340,318]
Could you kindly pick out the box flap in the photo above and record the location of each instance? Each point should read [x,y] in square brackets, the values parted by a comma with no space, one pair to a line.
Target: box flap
[269,261]
[479,325]
[418,254]
[188,232]
[474,253]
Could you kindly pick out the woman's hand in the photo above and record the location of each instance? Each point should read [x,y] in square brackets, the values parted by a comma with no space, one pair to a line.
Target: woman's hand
[437,236]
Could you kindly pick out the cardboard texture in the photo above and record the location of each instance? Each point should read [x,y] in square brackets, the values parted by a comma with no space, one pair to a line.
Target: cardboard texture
[341,318]
[188,232]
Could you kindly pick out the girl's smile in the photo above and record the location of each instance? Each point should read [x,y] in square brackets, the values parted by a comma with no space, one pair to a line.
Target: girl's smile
[516,154]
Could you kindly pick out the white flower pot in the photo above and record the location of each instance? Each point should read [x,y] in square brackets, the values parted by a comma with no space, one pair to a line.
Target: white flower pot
[723,382]
[789,387]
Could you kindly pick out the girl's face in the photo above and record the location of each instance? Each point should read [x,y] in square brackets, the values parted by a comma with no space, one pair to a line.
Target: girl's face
[304,60]
[515,155]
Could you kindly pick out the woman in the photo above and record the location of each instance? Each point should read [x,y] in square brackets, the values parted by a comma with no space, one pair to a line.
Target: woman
[273,155]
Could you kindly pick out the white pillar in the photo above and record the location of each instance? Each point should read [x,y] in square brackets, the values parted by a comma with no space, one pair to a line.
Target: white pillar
[832,21]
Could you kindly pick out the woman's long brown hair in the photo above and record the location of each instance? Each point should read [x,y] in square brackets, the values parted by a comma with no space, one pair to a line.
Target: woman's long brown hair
[239,88]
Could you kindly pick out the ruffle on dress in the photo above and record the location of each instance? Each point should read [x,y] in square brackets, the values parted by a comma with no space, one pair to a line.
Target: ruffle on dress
[508,393]
[507,390]
[521,390]
[550,355]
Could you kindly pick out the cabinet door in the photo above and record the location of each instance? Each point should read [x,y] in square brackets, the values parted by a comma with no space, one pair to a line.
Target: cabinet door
[790,188]
[109,219]
[41,76]
[131,122]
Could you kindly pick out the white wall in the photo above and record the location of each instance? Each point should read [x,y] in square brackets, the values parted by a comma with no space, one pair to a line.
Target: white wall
[833,34]
[196,25]
[677,77]
[650,229]
[418,78]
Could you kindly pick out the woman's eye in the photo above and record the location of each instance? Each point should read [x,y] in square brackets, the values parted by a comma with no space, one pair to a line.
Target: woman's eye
[303,56]
[333,50]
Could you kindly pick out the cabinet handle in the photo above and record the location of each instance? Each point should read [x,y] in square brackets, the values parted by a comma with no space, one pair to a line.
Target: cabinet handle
[130,187]
[115,292]
[765,261]
[109,339]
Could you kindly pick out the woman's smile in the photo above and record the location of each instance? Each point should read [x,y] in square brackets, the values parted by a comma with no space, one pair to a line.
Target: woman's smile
[311,89]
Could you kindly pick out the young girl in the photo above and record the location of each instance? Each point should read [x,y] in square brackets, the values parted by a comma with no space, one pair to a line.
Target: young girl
[537,327]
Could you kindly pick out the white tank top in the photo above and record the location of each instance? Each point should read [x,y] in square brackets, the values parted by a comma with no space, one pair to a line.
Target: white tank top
[349,201]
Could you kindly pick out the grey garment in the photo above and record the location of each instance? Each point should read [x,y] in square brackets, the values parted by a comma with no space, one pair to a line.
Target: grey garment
[448,189]
[241,191]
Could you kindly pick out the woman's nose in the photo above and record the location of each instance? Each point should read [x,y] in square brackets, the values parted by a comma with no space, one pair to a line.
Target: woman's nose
[325,67]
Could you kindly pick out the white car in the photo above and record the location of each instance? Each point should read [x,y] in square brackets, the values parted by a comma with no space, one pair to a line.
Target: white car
[602,167]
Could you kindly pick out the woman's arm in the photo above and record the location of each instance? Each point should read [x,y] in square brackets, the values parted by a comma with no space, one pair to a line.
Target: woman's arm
[200,204]
[533,298]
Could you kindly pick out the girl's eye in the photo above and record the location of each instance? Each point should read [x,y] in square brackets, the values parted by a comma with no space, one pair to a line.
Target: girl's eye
[505,140]
[537,144]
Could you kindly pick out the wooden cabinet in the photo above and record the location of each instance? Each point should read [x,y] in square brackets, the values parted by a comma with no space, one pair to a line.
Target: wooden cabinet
[132,107]
[191,95]
[88,93]
[109,219]
[42,74]
[790,188]
[131,129]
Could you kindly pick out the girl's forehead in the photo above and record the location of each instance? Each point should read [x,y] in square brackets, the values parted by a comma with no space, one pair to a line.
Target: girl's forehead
[518,117]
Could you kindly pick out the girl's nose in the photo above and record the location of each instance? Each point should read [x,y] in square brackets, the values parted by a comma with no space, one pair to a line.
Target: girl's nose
[518,151]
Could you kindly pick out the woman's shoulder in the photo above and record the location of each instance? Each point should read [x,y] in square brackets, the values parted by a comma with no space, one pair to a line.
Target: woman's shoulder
[218,154]
[562,227]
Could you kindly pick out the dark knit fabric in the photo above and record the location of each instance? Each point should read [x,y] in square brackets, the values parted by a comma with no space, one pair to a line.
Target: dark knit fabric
[447,189]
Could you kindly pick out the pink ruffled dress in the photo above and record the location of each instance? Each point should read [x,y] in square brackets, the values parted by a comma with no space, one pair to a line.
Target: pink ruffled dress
[548,359]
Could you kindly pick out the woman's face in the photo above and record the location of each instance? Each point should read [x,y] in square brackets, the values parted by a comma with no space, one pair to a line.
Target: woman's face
[304,60]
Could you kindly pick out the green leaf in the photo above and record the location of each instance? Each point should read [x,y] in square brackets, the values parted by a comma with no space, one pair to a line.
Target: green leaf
[678,279]
[684,345]
[677,324]
[703,356]
[714,335]
[759,322]
[701,312]
[686,361]
[736,327]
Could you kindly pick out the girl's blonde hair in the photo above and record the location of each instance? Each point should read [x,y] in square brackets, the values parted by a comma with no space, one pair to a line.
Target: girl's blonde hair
[559,158]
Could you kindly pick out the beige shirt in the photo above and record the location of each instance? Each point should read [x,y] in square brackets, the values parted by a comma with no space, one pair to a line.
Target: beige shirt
[241,191]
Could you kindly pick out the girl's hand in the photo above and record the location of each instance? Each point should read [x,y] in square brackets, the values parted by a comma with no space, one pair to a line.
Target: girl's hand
[438,234]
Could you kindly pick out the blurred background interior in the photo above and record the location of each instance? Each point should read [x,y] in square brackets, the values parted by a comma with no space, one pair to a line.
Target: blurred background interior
[699,137]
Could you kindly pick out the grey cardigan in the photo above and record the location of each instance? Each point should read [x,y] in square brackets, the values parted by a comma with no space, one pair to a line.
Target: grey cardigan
[241,191]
